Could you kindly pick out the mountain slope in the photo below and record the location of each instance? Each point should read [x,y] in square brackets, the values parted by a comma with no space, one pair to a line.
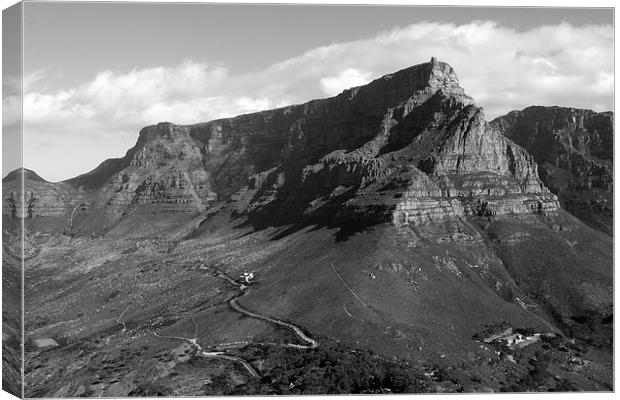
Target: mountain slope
[574,152]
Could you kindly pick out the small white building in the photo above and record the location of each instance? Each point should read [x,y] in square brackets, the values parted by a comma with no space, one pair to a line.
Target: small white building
[247,277]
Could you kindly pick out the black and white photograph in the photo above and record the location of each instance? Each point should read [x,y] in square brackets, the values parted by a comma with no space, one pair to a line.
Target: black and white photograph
[229,199]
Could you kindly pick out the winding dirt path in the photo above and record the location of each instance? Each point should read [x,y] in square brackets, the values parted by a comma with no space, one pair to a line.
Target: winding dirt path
[218,354]
[235,305]
[312,343]
[348,287]
[192,341]
[210,354]
[118,319]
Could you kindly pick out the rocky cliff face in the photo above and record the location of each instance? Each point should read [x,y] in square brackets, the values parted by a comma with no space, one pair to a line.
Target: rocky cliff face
[574,152]
[423,155]
[40,198]
[410,148]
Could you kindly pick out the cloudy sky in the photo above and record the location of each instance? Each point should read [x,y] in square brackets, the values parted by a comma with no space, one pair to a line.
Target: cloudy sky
[94,74]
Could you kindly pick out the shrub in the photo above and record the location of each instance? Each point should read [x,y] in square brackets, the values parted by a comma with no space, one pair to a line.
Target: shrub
[336,368]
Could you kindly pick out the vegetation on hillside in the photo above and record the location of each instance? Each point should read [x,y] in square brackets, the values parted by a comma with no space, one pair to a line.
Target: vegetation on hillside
[332,368]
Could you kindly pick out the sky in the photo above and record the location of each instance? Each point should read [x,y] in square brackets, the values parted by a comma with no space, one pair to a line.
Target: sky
[94,74]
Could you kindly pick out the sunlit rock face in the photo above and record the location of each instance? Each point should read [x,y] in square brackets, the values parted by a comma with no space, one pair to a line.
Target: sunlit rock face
[410,147]
[39,199]
[426,154]
[574,152]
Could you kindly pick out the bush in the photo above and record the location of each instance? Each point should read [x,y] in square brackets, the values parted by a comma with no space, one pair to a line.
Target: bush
[336,368]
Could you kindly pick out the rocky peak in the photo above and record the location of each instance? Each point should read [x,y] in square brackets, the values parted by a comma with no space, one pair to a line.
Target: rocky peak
[574,152]
[28,174]
[408,87]
[431,156]
[39,198]
[434,74]
[162,130]
[584,131]
[442,75]
[417,82]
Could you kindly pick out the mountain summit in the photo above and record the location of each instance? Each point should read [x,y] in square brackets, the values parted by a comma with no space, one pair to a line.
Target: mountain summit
[574,149]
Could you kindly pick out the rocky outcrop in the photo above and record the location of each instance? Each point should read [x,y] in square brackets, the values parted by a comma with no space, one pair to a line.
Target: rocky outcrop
[39,199]
[410,147]
[430,156]
[574,152]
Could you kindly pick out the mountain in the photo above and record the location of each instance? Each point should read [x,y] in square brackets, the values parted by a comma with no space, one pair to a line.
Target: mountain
[574,152]
[391,224]
[41,198]
[410,146]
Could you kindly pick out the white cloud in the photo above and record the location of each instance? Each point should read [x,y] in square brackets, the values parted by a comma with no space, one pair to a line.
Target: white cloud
[248,104]
[503,69]
[350,77]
